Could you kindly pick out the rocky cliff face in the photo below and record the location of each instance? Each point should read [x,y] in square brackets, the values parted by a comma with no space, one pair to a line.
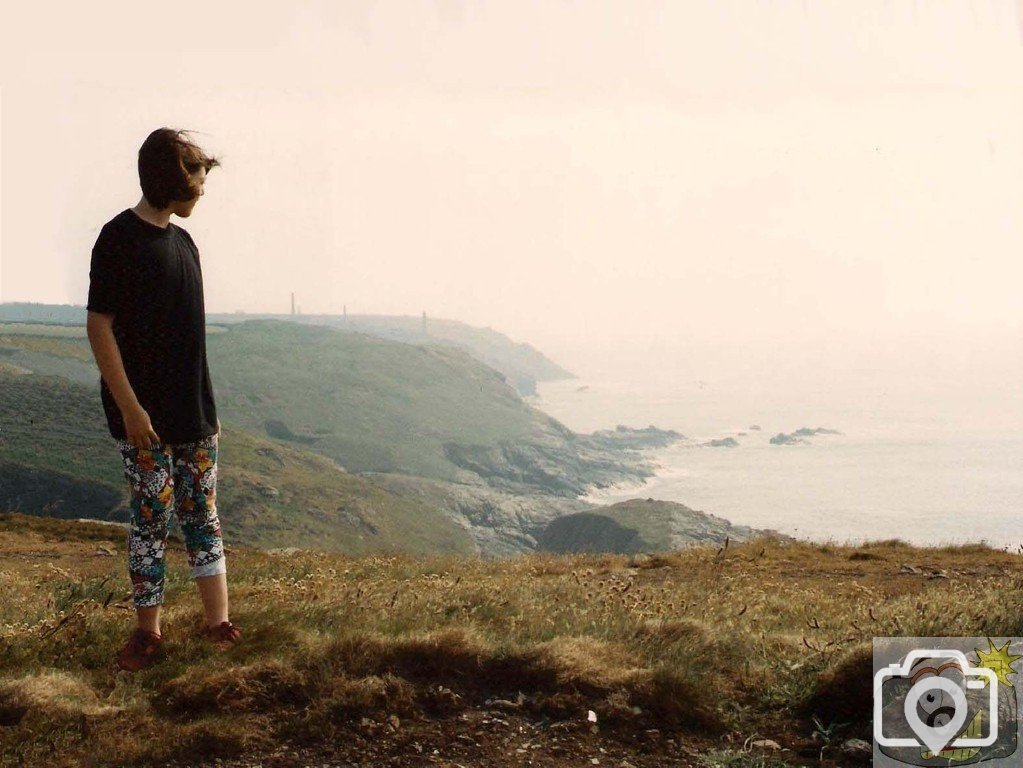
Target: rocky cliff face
[500,522]
[564,463]
[526,496]
[503,523]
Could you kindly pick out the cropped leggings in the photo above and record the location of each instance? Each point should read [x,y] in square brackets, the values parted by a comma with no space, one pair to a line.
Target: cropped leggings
[166,478]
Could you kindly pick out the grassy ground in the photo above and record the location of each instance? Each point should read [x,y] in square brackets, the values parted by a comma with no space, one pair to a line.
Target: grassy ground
[683,658]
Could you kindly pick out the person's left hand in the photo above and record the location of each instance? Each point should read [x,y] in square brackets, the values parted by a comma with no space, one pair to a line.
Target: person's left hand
[218,425]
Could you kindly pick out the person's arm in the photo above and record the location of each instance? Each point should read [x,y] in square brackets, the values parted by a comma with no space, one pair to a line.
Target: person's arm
[110,281]
[137,425]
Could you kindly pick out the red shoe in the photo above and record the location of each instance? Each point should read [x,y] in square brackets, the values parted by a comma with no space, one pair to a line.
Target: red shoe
[140,651]
[224,635]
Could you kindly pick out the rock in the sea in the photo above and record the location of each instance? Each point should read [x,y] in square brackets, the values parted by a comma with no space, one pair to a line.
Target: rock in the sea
[808,432]
[791,439]
[632,438]
[723,442]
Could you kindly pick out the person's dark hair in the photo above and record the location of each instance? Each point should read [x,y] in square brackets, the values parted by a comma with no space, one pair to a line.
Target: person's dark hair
[166,159]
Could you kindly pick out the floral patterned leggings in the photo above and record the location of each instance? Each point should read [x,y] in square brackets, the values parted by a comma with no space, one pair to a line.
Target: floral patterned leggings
[162,479]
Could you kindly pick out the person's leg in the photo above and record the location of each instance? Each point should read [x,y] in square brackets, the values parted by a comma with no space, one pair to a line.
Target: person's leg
[213,591]
[151,499]
[195,487]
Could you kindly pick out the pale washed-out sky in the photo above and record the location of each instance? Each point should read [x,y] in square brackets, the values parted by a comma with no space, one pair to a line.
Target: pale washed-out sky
[617,183]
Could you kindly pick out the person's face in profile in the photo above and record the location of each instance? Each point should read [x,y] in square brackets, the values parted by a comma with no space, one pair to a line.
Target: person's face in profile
[184,208]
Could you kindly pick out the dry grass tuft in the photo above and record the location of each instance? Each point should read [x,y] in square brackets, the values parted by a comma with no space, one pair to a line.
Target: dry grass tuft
[672,631]
[52,695]
[212,737]
[887,544]
[256,687]
[967,548]
[588,663]
[370,696]
[859,555]
[436,655]
[844,691]
[678,698]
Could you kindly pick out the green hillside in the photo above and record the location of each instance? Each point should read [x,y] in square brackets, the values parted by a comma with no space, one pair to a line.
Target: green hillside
[436,442]
[57,458]
[59,350]
[373,405]
[383,406]
[522,364]
[368,403]
[49,349]
[279,496]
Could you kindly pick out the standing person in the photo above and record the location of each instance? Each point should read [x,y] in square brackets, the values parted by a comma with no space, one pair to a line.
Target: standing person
[147,328]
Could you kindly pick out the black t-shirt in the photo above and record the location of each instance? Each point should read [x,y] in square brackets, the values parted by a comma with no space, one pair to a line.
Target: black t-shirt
[150,279]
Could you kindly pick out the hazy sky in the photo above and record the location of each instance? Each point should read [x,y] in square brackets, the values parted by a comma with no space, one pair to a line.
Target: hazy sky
[744,178]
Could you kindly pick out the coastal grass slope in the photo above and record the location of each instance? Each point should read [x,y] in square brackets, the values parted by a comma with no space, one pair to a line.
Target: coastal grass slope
[753,654]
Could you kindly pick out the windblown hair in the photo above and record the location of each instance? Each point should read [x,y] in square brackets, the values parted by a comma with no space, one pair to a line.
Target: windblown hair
[166,159]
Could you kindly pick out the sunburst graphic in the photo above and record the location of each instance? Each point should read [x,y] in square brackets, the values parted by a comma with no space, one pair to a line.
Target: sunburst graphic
[998,660]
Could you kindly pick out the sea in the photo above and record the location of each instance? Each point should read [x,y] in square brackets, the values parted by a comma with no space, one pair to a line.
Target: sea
[929,458]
